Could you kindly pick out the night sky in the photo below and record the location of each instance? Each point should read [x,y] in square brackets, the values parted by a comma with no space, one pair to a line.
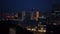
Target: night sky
[17,5]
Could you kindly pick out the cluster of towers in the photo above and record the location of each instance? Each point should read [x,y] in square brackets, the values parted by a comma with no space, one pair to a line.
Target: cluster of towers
[33,15]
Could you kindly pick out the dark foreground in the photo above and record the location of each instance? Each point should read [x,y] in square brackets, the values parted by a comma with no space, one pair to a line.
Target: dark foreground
[52,29]
[5,25]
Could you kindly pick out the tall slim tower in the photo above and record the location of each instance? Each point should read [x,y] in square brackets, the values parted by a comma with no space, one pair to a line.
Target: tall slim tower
[32,14]
[37,15]
[23,14]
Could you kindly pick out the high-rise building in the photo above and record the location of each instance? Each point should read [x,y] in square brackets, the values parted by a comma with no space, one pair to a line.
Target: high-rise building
[37,15]
[32,15]
[55,15]
[23,14]
[28,16]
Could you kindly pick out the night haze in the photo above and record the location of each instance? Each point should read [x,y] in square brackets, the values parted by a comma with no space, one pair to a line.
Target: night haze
[17,5]
[30,16]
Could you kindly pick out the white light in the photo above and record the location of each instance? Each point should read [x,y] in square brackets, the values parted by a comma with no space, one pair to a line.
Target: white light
[28,29]
[56,11]
[44,25]
[42,17]
[33,29]
[42,30]
[54,24]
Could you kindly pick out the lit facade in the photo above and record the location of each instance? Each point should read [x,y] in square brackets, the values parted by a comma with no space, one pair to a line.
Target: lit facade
[37,15]
[32,15]
[23,14]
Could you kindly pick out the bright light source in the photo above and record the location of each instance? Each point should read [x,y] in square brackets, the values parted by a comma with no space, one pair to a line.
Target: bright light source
[42,30]
[33,29]
[28,29]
